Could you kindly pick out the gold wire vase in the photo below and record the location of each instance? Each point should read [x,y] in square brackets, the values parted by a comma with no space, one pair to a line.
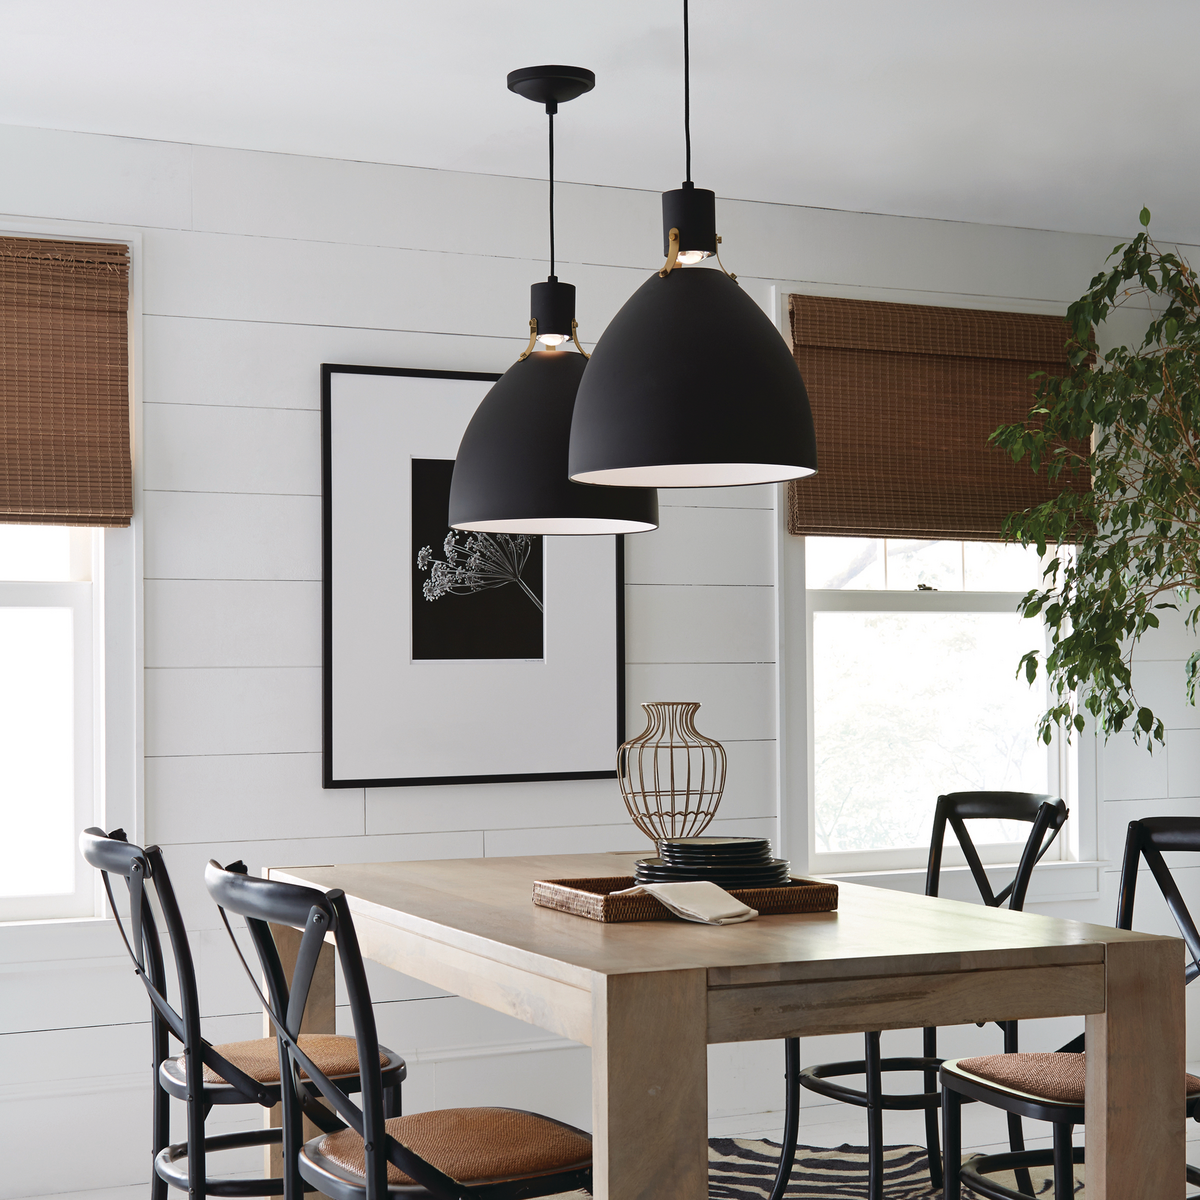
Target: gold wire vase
[671,775]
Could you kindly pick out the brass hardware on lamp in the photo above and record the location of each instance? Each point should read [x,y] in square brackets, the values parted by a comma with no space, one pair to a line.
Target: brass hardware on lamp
[532,341]
[672,256]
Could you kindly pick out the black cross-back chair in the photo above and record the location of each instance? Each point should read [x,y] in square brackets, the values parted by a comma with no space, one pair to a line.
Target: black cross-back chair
[247,1071]
[450,1154]
[1017,1084]
[1045,815]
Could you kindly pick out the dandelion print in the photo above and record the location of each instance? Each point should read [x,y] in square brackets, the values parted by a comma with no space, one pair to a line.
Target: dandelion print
[473,595]
[483,561]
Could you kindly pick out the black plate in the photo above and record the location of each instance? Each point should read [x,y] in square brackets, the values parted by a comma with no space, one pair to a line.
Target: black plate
[727,885]
[755,866]
[718,859]
[653,861]
[665,873]
[715,859]
[715,851]
[719,845]
[709,843]
[654,870]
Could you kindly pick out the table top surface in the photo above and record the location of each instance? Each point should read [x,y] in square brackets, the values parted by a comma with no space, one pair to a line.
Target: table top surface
[485,906]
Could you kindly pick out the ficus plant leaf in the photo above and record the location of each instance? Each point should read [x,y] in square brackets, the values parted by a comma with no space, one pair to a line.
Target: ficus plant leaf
[1136,533]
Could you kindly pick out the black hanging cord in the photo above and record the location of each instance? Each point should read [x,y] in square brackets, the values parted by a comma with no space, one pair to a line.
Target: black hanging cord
[687,94]
[550,112]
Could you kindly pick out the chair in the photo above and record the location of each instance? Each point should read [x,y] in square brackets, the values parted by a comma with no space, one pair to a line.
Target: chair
[449,1154]
[1049,1087]
[1045,815]
[234,1073]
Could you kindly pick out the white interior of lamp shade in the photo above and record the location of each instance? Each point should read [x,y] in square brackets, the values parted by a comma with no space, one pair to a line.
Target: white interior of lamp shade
[558,525]
[690,475]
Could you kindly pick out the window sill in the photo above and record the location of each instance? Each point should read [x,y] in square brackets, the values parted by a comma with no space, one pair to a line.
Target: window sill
[59,938]
[1052,881]
[44,922]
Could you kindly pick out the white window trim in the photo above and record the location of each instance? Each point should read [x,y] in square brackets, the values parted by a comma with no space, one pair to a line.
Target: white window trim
[908,858]
[1079,880]
[76,596]
[118,637]
[1061,880]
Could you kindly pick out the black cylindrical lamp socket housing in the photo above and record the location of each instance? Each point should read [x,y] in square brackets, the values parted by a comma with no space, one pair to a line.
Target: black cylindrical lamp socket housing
[693,211]
[552,306]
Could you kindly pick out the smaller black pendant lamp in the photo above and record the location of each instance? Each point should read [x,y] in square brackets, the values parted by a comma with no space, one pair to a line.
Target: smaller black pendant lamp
[691,385]
[510,475]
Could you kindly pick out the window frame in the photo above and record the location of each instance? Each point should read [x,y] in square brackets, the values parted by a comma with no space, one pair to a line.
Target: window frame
[909,858]
[1081,877]
[118,649]
[76,595]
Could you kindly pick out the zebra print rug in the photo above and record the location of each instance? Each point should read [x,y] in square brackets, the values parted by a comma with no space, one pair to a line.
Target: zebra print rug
[740,1169]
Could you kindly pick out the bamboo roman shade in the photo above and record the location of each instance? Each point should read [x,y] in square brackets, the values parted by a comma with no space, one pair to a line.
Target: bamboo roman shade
[64,383]
[904,397]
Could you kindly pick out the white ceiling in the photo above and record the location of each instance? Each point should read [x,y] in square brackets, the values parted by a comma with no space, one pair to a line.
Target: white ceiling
[1059,114]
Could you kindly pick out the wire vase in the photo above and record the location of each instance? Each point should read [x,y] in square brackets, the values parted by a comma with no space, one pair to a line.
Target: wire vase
[671,775]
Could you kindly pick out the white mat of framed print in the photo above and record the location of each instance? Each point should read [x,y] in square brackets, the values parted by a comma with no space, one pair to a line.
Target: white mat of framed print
[449,662]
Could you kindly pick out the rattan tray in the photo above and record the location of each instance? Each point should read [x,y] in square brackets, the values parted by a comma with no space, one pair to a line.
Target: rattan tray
[590,898]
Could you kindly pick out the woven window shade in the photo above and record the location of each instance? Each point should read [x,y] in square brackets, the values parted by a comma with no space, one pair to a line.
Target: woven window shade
[64,383]
[904,397]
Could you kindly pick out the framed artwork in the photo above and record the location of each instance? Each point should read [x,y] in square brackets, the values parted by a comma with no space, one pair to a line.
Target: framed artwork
[452,657]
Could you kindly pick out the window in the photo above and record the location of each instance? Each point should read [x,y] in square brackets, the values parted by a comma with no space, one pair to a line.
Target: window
[913,651]
[49,782]
[70,700]
[913,640]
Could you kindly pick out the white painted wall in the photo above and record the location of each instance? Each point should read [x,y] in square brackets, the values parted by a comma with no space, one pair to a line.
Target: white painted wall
[258,267]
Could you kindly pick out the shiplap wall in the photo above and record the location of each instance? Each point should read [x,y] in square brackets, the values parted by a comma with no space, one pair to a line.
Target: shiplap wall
[257,268]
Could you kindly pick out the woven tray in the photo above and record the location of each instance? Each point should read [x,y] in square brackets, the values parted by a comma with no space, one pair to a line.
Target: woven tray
[590,898]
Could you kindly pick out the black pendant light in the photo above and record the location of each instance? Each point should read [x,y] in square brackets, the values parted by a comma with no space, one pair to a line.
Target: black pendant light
[510,475]
[691,385]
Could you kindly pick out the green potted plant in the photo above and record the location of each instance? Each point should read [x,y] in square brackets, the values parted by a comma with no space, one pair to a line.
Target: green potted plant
[1131,417]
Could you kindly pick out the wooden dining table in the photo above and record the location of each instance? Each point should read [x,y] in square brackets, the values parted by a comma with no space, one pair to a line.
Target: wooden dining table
[648,998]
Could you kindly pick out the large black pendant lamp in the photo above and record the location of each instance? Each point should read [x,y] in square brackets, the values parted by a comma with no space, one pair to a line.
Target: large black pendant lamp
[691,385]
[510,475]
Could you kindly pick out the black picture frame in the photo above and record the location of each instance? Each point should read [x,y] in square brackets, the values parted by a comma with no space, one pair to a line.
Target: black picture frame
[330,778]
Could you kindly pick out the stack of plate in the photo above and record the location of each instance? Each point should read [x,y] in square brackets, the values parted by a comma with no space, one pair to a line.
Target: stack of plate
[730,862]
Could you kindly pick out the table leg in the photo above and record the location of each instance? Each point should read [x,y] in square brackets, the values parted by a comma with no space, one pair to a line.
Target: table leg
[1135,1089]
[650,1086]
[319,1017]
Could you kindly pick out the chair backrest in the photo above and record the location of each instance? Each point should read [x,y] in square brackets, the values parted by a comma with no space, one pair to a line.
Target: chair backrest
[145,875]
[316,913]
[1045,814]
[1148,839]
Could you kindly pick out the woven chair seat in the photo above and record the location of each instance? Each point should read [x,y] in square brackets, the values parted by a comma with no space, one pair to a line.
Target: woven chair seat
[472,1145]
[334,1054]
[1056,1077]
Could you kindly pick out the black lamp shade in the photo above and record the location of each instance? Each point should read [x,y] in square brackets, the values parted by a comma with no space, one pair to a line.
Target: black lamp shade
[691,386]
[510,475]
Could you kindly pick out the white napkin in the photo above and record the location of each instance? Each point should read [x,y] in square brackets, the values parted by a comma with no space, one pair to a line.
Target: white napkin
[700,900]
